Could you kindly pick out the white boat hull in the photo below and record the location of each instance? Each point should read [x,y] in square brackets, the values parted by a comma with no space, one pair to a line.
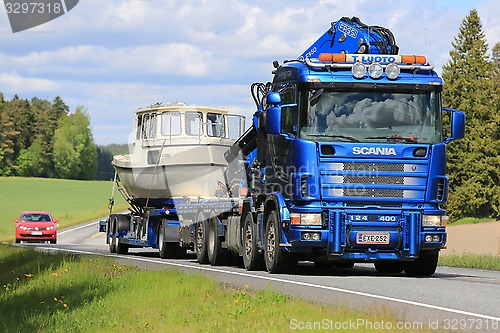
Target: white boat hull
[167,181]
[185,170]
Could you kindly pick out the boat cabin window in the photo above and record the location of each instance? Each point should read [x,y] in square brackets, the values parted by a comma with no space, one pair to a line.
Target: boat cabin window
[215,125]
[194,121]
[138,129]
[149,126]
[236,125]
[170,123]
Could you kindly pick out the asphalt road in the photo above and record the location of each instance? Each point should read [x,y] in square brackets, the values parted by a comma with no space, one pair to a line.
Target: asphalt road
[453,299]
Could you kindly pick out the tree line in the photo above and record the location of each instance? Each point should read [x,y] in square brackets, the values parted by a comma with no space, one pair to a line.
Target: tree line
[41,138]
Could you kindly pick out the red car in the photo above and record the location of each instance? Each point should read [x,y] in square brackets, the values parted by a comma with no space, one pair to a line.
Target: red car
[36,227]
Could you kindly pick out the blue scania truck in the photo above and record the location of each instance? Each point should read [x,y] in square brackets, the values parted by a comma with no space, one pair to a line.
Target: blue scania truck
[345,162]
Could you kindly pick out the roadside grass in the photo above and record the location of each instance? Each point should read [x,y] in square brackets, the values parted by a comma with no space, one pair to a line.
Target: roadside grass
[55,292]
[71,201]
[471,220]
[470,260]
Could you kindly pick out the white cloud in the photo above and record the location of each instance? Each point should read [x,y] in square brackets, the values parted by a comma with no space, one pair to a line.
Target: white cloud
[18,84]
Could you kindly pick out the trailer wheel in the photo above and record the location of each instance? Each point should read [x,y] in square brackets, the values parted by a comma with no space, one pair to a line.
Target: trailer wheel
[114,240]
[121,248]
[200,245]
[389,267]
[216,254]
[122,223]
[252,259]
[424,265]
[277,260]
[168,250]
[161,242]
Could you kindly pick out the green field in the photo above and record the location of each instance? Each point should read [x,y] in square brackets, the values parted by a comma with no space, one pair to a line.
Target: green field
[70,201]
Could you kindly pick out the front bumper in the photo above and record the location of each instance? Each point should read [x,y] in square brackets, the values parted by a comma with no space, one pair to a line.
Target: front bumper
[402,238]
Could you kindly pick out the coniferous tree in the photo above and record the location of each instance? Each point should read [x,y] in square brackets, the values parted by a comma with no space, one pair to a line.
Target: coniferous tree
[474,162]
[8,134]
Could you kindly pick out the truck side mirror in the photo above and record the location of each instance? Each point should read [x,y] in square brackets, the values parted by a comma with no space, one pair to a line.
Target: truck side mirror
[457,125]
[273,116]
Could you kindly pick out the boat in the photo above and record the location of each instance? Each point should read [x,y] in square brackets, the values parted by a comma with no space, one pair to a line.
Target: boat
[177,150]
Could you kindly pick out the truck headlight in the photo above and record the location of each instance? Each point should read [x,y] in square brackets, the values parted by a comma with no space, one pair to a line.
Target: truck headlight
[305,219]
[434,220]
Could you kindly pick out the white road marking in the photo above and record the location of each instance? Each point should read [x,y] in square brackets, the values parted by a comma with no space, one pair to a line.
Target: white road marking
[304,284]
[78,228]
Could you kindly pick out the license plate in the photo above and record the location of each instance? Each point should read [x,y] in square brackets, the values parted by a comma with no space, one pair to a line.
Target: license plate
[36,233]
[372,238]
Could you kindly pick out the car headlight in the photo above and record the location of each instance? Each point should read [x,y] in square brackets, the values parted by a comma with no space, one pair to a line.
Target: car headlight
[22,227]
[50,228]
[305,219]
[434,220]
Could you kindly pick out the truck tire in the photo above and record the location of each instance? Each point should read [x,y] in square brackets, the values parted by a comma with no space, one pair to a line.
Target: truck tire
[252,259]
[277,260]
[200,240]
[168,250]
[424,265]
[216,254]
[113,239]
[108,230]
[121,248]
[389,267]
[122,224]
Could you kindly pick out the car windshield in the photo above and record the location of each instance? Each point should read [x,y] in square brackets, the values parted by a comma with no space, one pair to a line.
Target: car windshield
[33,217]
[372,116]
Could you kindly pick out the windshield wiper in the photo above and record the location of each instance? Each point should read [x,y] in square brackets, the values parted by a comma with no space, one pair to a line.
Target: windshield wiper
[350,138]
[396,138]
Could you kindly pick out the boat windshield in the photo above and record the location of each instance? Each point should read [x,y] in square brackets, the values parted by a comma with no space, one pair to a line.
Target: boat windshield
[371,116]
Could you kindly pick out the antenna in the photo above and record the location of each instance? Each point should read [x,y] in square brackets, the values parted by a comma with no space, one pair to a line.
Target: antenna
[425,40]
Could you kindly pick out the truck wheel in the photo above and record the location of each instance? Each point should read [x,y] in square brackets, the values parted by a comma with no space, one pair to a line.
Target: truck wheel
[277,260]
[252,259]
[424,265]
[216,255]
[114,239]
[389,267]
[200,245]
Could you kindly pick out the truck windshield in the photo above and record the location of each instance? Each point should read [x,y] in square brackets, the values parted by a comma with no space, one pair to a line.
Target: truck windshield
[368,116]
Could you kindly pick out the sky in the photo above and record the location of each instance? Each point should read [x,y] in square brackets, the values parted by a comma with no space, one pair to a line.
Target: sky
[115,56]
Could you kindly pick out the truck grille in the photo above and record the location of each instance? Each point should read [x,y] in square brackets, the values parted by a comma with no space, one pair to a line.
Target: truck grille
[373,167]
[344,180]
